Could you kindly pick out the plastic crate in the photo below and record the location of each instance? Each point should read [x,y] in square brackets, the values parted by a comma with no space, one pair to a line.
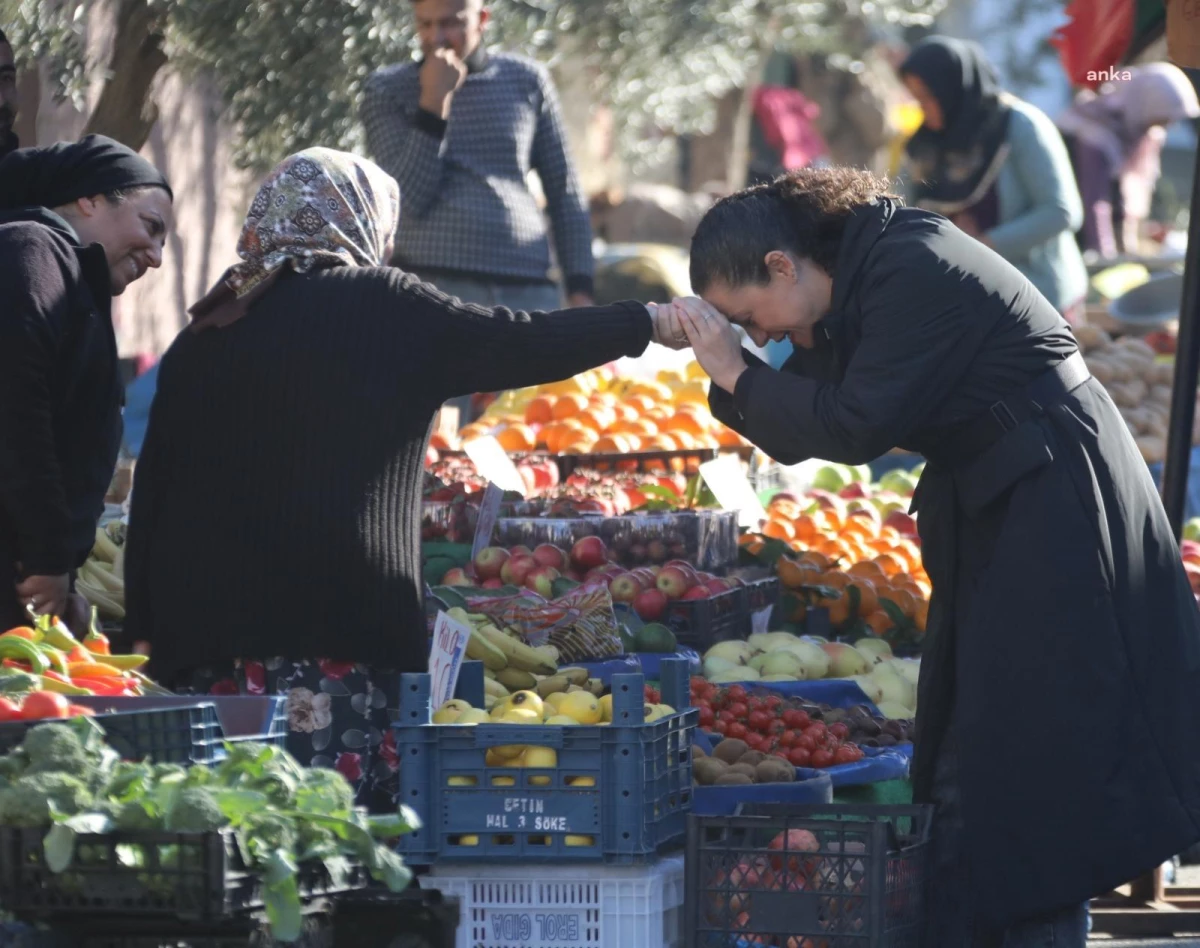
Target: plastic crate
[686,461]
[415,918]
[568,906]
[180,735]
[858,884]
[701,623]
[619,793]
[189,876]
[762,594]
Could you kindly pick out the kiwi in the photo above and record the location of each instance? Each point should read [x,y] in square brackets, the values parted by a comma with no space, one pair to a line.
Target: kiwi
[747,769]
[730,750]
[732,779]
[774,770]
[887,740]
[894,729]
[752,758]
[868,728]
[836,716]
[706,770]
[698,752]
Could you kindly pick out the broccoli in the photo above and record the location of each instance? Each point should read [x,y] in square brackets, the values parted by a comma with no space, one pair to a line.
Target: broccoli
[132,816]
[267,831]
[56,748]
[325,791]
[12,765]
[27,801]
[196,811]
[315,841]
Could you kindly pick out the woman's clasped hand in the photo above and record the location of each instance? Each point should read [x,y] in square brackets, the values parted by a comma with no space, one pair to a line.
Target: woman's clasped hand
[691,321]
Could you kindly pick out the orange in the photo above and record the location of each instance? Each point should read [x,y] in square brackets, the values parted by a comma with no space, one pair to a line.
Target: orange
[615,444]
[879,622]
[540,411]
[645,427]
[577,442]
[904,601]
[662,442]
[685,441]
[839,609]
[779,530]
[835,578]
[685,422]
[793,574]
[604,399]
[518,438]
[921,615]
[595,418]
[728,438]
[867,569]
[747,538]
[568,406]
[626,412]
[819,560]
[641,403]
[889,564]
[805,528]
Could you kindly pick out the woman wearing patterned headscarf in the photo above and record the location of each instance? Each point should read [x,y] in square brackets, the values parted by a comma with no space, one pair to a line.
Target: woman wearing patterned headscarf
[1116,138]
[996,166]
[274,541]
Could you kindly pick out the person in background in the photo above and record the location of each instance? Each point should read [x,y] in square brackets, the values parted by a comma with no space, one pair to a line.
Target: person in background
[9,106]
[1115,138]
[79,222]
[996,166]
[274,534]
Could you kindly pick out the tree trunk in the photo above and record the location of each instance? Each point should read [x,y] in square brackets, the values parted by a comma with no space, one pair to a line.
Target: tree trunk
[125,110]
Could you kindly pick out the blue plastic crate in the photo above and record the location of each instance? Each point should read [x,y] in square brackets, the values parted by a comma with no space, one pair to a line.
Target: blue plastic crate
[620,793]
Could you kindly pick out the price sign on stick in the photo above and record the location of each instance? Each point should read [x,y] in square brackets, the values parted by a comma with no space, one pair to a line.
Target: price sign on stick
[729,484]
[491,462]
[489,510]
[446,658]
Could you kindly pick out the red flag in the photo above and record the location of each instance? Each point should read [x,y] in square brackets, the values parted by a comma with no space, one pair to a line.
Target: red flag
[1093,43]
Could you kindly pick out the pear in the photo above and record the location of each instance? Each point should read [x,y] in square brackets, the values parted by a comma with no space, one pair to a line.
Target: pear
[876,648]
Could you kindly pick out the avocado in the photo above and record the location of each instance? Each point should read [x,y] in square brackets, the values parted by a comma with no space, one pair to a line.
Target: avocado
[562,586]
[656,637]
[628,640]
[435,568]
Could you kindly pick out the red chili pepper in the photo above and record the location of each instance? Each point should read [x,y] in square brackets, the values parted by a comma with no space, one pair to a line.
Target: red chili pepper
[12,663]
[55,676]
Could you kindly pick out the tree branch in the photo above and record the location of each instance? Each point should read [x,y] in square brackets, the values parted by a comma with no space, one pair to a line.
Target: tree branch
[125,110]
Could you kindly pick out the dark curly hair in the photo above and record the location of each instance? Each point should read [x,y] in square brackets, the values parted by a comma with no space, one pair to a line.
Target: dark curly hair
[804,212]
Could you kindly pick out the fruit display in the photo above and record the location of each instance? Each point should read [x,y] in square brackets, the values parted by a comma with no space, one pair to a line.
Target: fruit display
[1139,383]
[598,413]
[47,657]
[734,763]
[889,683]
[101,579]
[65,779]
[556,700]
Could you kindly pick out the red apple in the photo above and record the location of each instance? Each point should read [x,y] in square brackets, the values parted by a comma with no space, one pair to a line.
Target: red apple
[853,490]
[656,551]
[490,561]
[493,583]
[697,592]
[431,457]
[901,522]
[516,568]
[717,585]
[549,555]
[456,577]
[672,582]
[574,575]
[589,552]
[520,550]
[541,579]
[625,588]
[650,605]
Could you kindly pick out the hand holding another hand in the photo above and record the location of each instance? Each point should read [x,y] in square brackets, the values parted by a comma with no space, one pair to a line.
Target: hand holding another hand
[716,343]
[668,330]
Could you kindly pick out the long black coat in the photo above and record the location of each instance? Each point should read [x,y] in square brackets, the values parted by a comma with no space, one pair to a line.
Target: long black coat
[1063,638]
[60,398]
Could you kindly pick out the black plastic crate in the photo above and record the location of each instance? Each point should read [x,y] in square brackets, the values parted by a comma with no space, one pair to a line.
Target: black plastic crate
[415,918]
[251,932]
[181,735]
[701,623]
[188,876]
[845,876]
[686,461]
[762,594]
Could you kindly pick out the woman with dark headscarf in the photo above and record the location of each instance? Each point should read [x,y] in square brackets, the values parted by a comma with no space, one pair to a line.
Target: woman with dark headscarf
[276,505]
[79,222]
[1115,138]
[996,166]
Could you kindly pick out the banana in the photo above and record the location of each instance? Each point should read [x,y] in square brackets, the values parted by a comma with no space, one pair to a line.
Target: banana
[519,655]
[595,686]
[481,649]
[514,679]
[459,614]
[104,548]
[550,653]
[104,578]
[118,565]
[125,662]
[100,599]
[116,532]
[576,676]
[494,689]
[552,685]
[22,650]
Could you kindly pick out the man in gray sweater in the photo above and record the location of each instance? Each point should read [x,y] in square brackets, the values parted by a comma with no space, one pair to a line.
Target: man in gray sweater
[460,130]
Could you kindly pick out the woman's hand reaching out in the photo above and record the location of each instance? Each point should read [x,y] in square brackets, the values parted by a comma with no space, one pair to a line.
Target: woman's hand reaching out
[716,343]
[668,330]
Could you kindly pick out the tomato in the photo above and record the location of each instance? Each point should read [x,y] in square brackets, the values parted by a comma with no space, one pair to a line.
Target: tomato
[721,727]
[821,758]
[807,741]
[817,730]
[737,729]
[846,754]
[755,704]
[774,701]
[727,716]
[740,710]
[839,730]
[754,741]
[736,693]
[769,745]
[706,716]
[776,727]
[781,754]
[799,757]
[788,739]
[9,710]
[78,710]
[45,704]
[796,719]
[758,721]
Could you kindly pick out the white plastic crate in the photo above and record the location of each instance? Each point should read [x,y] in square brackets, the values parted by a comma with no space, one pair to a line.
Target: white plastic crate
[566,906]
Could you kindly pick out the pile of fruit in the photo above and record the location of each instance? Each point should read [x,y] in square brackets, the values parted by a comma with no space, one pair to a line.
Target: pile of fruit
[597,413]
[101,580]
[47,657]
[1139,383]
[735,763]
[889,683]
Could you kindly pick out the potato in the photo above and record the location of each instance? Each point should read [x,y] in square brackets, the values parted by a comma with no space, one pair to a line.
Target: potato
[1153,449]
[774,770]
[732,779]
[1160,394]
[1091,337]
[1134,346]
[698,752]
[707,770]
[1101,370]
[730,750]
[1136,390]
[1164,373]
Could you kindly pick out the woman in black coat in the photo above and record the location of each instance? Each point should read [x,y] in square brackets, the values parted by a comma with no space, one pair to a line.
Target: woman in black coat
[79,222]
[1060,685]
[274,541]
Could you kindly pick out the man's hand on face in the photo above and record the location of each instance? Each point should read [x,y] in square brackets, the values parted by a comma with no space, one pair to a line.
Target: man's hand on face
[442,75]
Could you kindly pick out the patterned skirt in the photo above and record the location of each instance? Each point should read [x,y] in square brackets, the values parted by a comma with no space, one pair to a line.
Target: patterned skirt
[339,716]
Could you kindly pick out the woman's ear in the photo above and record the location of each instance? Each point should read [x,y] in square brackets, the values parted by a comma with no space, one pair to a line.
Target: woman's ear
[780,264]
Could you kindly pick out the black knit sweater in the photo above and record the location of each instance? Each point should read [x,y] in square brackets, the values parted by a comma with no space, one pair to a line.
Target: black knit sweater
[276,503]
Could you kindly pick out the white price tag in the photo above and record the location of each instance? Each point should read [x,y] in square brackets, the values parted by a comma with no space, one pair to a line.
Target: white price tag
[729,484]
[446,658]
[492,462]
[489,512]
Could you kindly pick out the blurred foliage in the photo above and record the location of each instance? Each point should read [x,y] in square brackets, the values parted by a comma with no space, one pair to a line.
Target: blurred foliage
[290,71]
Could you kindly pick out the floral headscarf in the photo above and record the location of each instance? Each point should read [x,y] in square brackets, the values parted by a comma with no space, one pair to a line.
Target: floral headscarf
[318,208]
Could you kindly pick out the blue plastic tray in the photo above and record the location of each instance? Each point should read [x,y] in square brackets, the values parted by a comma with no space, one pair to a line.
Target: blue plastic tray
[635,803]
[835,692]
[651,662]
[879,764]
[604,670]
[814,786]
